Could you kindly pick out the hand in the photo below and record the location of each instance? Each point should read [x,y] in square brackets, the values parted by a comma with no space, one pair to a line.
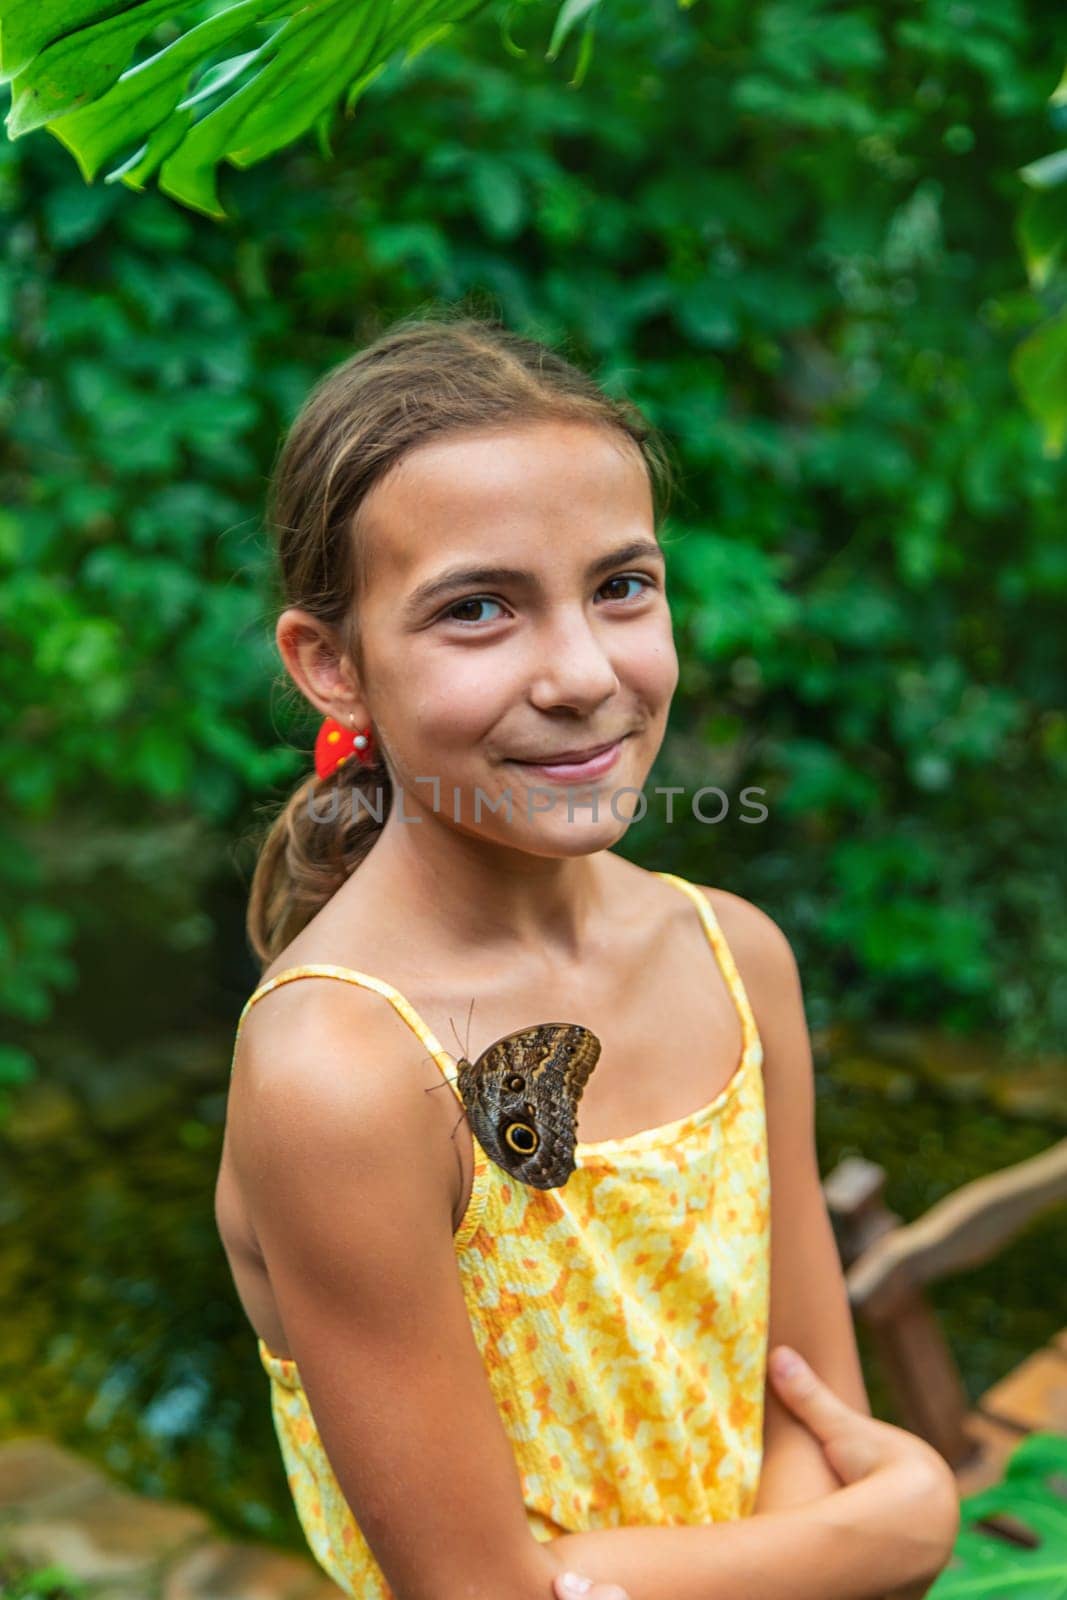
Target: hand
[857,1446]
[854,1444]
[569,1586]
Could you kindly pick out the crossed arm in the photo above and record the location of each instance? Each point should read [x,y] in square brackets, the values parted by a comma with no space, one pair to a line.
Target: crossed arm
[809,1302]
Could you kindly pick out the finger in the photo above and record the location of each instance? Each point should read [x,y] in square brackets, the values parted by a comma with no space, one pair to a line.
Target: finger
[571,1586]
[799,1387]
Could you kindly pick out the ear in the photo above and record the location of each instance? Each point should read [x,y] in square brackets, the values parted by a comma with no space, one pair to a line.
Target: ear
[313,657]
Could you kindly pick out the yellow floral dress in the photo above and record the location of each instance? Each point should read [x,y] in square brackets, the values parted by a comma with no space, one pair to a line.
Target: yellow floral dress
[621,1319]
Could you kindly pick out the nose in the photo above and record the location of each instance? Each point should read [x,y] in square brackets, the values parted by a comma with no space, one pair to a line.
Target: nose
[573,668]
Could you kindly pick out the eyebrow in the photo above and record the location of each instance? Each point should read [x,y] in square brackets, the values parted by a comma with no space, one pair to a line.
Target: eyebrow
[469,577]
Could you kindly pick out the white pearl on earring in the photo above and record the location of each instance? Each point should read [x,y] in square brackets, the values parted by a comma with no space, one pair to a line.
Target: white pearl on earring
[360,741]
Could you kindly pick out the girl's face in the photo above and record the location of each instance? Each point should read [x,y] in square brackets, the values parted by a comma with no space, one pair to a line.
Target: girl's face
[515,612]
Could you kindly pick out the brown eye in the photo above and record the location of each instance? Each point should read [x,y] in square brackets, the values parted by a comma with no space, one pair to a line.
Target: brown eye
[516,1083]
[630,577]
[521,1138]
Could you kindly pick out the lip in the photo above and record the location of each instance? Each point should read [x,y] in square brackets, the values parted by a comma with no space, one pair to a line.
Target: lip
[592,766]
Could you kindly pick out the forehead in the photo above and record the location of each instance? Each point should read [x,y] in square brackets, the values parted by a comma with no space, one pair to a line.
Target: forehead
[574,481]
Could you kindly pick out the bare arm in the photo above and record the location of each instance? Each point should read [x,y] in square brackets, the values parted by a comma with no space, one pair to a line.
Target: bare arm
[855,1544]
[349,1177]
[809,1301]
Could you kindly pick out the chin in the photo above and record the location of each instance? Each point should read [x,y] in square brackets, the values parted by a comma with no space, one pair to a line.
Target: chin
[577,838]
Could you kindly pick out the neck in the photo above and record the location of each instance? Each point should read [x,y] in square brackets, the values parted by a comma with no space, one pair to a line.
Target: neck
[483,896]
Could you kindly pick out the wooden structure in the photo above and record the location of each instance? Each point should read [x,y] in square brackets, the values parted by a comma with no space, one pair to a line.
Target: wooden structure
[887,1266]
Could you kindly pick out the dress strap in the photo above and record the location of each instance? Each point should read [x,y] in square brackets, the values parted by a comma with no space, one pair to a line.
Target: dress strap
[723,954]
[426,1036]
[322,969]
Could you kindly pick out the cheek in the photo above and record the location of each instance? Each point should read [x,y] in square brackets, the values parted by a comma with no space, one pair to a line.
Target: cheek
[651,668]
[457,701]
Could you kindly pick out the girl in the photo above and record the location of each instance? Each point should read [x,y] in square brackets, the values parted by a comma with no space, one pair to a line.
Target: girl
[480,1385]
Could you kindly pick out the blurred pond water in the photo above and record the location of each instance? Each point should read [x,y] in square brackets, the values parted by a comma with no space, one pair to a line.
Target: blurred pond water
[123,1337]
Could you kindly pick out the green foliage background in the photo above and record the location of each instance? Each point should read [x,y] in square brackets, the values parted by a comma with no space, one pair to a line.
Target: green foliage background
[788,229]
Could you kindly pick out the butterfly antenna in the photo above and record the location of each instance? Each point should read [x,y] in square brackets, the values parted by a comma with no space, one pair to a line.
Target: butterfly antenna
[465,1048]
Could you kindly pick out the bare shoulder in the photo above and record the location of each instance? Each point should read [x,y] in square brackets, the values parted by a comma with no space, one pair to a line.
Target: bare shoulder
[760,948]
[768,970]
[312,1041]
[326,1075]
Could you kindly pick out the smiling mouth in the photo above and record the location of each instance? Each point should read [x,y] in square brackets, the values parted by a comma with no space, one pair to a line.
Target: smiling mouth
[570,758]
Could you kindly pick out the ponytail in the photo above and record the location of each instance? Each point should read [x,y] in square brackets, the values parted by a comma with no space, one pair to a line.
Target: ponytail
[319,838]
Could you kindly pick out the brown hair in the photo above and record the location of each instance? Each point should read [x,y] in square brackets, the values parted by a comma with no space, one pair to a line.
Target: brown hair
[428,374]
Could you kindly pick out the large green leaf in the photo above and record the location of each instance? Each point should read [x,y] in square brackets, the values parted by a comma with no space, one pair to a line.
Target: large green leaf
[183,109]
[991,1565]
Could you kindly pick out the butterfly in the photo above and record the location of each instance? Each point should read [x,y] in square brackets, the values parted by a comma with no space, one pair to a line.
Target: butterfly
[521,1098]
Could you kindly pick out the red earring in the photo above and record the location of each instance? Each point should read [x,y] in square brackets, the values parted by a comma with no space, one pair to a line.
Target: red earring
[335,743]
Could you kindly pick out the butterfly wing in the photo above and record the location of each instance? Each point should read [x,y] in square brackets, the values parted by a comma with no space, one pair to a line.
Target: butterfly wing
[522,1096]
